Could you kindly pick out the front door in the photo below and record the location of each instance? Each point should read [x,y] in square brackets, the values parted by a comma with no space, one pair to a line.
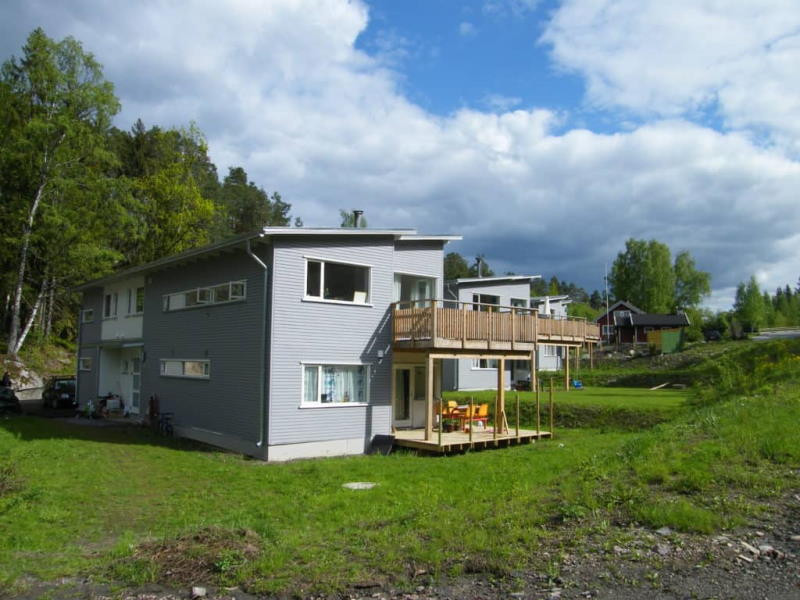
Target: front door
[136,383]
[409,396]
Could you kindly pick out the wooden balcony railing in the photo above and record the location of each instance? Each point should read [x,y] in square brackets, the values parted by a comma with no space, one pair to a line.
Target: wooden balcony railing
[444,323]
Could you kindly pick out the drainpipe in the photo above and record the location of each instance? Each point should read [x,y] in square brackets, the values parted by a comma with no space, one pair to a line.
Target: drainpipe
[262,407]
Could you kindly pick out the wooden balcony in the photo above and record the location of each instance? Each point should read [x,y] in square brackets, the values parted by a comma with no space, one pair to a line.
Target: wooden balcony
[443,324]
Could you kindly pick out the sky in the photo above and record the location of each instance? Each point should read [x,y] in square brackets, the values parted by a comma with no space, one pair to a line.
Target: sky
[545,132]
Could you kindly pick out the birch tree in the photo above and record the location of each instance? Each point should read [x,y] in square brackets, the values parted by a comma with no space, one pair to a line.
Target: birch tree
[55,111]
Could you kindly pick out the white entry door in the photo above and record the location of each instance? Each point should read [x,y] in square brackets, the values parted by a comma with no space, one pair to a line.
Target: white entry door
[136,384]
[409,396]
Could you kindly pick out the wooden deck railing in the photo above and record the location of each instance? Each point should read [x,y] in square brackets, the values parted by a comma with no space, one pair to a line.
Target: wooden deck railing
[433,320]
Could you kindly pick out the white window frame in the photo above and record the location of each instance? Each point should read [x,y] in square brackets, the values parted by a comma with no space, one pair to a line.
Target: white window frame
[475,365]
[85,363]
[206,362]
[549,350]
[320,364]
[87,315]
[112,305]
[133,296]
[608,330]
[206,295]
[320,298]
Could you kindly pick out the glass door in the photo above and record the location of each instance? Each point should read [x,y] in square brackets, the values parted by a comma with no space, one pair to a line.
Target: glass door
[136,384]
[402,397]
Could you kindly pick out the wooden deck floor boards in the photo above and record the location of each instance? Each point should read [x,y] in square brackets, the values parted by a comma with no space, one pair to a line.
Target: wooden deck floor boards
[455,441]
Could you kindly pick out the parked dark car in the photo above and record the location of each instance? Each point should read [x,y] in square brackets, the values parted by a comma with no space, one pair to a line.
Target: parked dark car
[9,403]
[59,392]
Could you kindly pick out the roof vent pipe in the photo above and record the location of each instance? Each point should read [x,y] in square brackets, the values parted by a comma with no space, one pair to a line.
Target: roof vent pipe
[357,217]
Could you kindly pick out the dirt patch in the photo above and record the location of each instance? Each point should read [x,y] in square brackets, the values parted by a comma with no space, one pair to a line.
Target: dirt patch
[210,555]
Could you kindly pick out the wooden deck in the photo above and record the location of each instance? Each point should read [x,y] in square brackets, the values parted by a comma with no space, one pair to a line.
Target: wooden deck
[464,326]
[457,441]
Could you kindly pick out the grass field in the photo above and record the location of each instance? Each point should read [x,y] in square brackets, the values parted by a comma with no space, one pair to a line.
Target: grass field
[123,505]
[591,407]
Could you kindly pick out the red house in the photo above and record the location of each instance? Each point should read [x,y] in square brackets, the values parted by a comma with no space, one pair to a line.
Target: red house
[625,323]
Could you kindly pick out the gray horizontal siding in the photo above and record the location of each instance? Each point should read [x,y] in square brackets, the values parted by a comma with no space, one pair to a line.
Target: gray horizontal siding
[229,335]
[323,332]
[90,332]
[420,258]
[87,380]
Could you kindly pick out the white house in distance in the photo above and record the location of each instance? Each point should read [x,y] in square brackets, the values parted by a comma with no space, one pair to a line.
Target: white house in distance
[501,294]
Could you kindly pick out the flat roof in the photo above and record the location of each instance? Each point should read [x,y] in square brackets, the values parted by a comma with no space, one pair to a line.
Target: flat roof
[262,235]
[496,279]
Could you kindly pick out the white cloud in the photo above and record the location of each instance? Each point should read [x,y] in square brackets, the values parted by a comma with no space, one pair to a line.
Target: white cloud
[501,103]
[738,59]
[516,8]
[466,29]
[280,89]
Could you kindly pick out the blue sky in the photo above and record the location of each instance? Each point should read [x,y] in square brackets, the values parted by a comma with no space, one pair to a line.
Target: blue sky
[453,55]
[546,133]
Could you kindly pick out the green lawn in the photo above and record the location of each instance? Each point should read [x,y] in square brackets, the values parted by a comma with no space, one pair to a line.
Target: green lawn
[592,407]
[124,505]
[89,492]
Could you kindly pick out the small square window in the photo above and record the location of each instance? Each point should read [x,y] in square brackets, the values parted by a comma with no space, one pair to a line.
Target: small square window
[85,363]
[87,316]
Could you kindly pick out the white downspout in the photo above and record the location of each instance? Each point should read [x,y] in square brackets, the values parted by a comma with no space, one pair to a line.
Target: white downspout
[262,408]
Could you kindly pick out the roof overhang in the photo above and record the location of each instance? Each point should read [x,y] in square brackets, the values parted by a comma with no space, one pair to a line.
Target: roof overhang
[262,236]
[467,280]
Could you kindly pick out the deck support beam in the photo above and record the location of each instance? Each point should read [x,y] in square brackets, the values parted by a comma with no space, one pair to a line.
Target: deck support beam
[429,399]
[500,405]
[566,368]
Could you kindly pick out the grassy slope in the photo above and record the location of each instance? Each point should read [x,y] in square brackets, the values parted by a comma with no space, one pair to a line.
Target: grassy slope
[87,496]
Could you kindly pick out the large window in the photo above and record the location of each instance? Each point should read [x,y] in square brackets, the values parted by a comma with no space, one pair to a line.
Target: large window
[485,302]
[193,369]
[338,282]
[334,384]
[230,291]
[413,290]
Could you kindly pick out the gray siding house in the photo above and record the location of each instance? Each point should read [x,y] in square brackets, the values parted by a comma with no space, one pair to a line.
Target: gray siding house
[277,344]
[501,294]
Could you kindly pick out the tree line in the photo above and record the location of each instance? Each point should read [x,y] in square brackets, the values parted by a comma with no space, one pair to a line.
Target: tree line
[754,308]
[80,198]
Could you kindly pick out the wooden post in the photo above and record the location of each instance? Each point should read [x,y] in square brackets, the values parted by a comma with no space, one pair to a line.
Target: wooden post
[433,323]
[578,358]
[464,325]
[441,421]
[552,415]
[591,357]
[534,375]
[513,327]
[501,393]
[517,400]
[471,416]
[429,400]
[566,368]
[538,411]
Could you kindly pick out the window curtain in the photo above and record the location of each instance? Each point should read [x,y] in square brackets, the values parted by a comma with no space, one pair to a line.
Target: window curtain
[343,384]
[310,384]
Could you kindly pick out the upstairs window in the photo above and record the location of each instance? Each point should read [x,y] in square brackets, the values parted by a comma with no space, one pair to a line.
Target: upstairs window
[110,306]
[231,291]
[136,301]
[87,316]
[485,302]
[337,282]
